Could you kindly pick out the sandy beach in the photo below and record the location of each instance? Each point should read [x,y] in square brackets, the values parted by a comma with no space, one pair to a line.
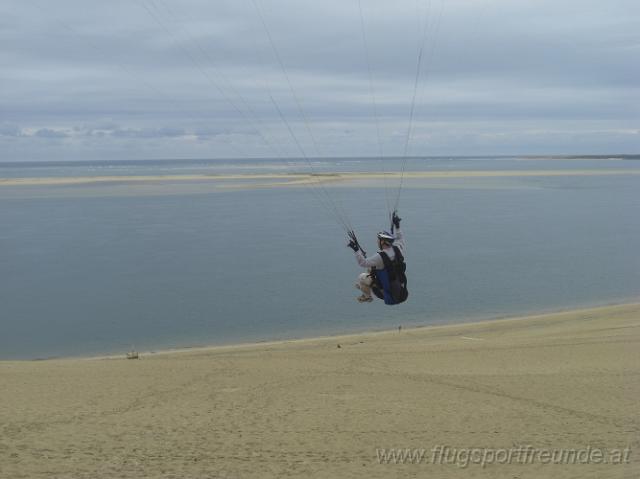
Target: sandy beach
[506,393]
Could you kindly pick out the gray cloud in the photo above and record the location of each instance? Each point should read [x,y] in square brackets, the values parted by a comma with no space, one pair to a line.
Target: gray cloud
[165,132]
[49,133]
[10,130]
[194,77]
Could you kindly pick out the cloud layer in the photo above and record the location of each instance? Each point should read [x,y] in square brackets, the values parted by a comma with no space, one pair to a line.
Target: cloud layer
[162,78]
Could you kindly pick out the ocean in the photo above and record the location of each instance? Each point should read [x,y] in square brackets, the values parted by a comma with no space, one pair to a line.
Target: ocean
[100,268]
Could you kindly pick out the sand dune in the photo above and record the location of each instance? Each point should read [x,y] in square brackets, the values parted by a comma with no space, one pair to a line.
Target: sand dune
[309,408]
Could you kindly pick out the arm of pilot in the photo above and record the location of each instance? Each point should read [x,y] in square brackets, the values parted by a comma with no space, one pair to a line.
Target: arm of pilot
[374,261]
[399,242]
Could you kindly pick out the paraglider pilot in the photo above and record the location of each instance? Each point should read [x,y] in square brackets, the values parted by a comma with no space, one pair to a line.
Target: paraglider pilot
[386,269]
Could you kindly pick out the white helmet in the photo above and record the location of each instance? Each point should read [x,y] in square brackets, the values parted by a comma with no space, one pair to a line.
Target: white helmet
[386,237]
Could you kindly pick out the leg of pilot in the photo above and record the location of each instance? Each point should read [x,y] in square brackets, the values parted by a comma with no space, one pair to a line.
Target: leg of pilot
[364,285]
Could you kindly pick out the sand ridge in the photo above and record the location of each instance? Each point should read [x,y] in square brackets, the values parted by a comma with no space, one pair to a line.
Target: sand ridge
[309,408]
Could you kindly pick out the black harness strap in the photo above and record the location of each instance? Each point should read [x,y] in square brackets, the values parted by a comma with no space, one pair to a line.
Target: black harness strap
[399,256]
[388,265]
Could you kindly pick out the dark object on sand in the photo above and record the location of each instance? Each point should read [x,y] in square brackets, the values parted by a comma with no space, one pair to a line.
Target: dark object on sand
[133,355]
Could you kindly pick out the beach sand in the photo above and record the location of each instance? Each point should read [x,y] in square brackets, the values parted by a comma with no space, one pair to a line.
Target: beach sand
[308,408]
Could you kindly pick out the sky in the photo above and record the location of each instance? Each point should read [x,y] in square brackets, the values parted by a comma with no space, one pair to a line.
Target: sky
[159,79]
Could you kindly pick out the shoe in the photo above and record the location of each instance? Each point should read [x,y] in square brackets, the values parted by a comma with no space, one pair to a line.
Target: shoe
[364,299]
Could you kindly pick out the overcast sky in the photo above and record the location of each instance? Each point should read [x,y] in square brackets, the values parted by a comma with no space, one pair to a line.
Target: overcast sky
[133,79]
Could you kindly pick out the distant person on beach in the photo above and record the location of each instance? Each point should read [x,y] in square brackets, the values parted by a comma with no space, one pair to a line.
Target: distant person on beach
[386,269]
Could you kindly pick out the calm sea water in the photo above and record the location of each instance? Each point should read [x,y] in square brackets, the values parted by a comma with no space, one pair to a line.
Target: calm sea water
[86,270]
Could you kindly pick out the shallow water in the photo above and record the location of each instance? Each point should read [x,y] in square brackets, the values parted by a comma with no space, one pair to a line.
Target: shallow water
[88,273]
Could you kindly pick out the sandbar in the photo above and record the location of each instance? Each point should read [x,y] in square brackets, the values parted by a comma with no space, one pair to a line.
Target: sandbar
[295,179]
